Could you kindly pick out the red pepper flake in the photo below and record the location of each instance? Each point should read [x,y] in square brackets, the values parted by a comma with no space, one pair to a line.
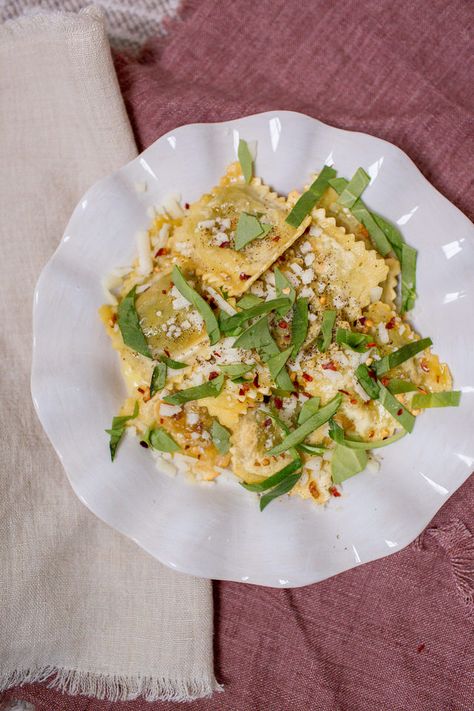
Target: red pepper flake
[213,374]
[282,324]
[143,444]
[343,391]
[329,366]
[385,381]
[333,491]
[390,324]
[244,277]
[420,648]
[255,380]
[267,422]
[372,344]
[161,420]
[141,390]
[162,251]
[353,401]
[400,412]
[307,377]
[424,366]
[275,239]
[287,337]
[163,291]
[216,353]
[186,205]
[224,244]
[372,374]
[278,403]
[167,353]
[362,320]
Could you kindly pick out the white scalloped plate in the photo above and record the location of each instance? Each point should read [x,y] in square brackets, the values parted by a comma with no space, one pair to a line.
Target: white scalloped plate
[216,530]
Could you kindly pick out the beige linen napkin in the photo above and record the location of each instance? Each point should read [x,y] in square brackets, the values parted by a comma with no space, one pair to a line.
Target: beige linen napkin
[80,605]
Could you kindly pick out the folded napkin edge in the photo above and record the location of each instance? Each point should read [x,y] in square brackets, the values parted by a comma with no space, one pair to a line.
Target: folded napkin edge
[44,21]
[113,687]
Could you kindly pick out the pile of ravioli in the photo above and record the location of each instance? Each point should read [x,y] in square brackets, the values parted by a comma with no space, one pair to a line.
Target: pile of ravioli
[213,392]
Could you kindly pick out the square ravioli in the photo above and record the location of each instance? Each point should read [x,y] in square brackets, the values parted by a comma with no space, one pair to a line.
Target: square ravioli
[207,235]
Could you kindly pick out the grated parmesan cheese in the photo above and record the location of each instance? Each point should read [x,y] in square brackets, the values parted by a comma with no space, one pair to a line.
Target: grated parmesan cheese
[145,264]
[169,410]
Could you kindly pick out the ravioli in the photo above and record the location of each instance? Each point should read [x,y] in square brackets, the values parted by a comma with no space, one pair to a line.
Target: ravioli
[207,233]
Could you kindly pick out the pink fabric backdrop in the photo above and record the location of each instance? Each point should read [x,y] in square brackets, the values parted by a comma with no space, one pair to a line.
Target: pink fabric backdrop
[397,634]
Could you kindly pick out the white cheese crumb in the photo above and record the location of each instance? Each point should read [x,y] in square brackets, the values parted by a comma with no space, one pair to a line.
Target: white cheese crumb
[313,464]
[179,301]
[172,206]
[360,391]
[183,248]
[311,317]
[143,287]
[169,410]
[161,239]
[194,435]
[220,301]
[307,276]
[192,418]
[206,224]
[401,329]
[383,333]
[309,259]
[296,268]
[186,325]
[375,294]
[339,302]
[306,247]
[321,287]
[145,264]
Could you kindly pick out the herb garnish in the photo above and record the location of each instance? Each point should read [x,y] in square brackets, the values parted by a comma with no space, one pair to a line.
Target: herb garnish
[284,288]
[408,277]
[236,370]
[129,325]
[299,325]
[210,389]
[258,336]
[368,381]
[397,386]
[401,355]
[259,309]
[198,302]
[337,434]
[158,378]
[396,409]
[354,189]
[354,340]
[274,479]
[308,199]
[162,441]
[249,228]
[173,364]
[450,398]
[245,160]
[346,462]
[118,428]
[310,407]
[311,424]
[323,341]
[220,436]
[277,362]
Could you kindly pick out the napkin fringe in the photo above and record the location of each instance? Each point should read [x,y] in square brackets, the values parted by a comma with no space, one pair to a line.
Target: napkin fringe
[112,687]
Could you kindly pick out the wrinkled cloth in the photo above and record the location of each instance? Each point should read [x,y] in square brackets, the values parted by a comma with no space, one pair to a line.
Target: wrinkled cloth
[396,634]
[81,605]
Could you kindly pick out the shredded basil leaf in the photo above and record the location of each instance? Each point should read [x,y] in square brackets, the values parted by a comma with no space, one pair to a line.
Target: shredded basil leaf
[299,325]
[393,235]
[347,462]
[337,434]
[339,184]
[245,160]
[129,325]
[173,364]
[210,389]
[408,277]
[284,288]
[249,228]
[277,362]
[249,300]
[401,355]
[312,449]
[274,479]
[118,428]
[377,236]
[310,407]
[323,341]
[241,317]
[308,199]
[212,327]
[162,441]
[308,448]
[236,370]
[220,436]
[158,379]
[450,398]
[354,189]
[311,424]
[397,386]
[356,341]
[258,336]
[369,384]
[283,488]
[396,409]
